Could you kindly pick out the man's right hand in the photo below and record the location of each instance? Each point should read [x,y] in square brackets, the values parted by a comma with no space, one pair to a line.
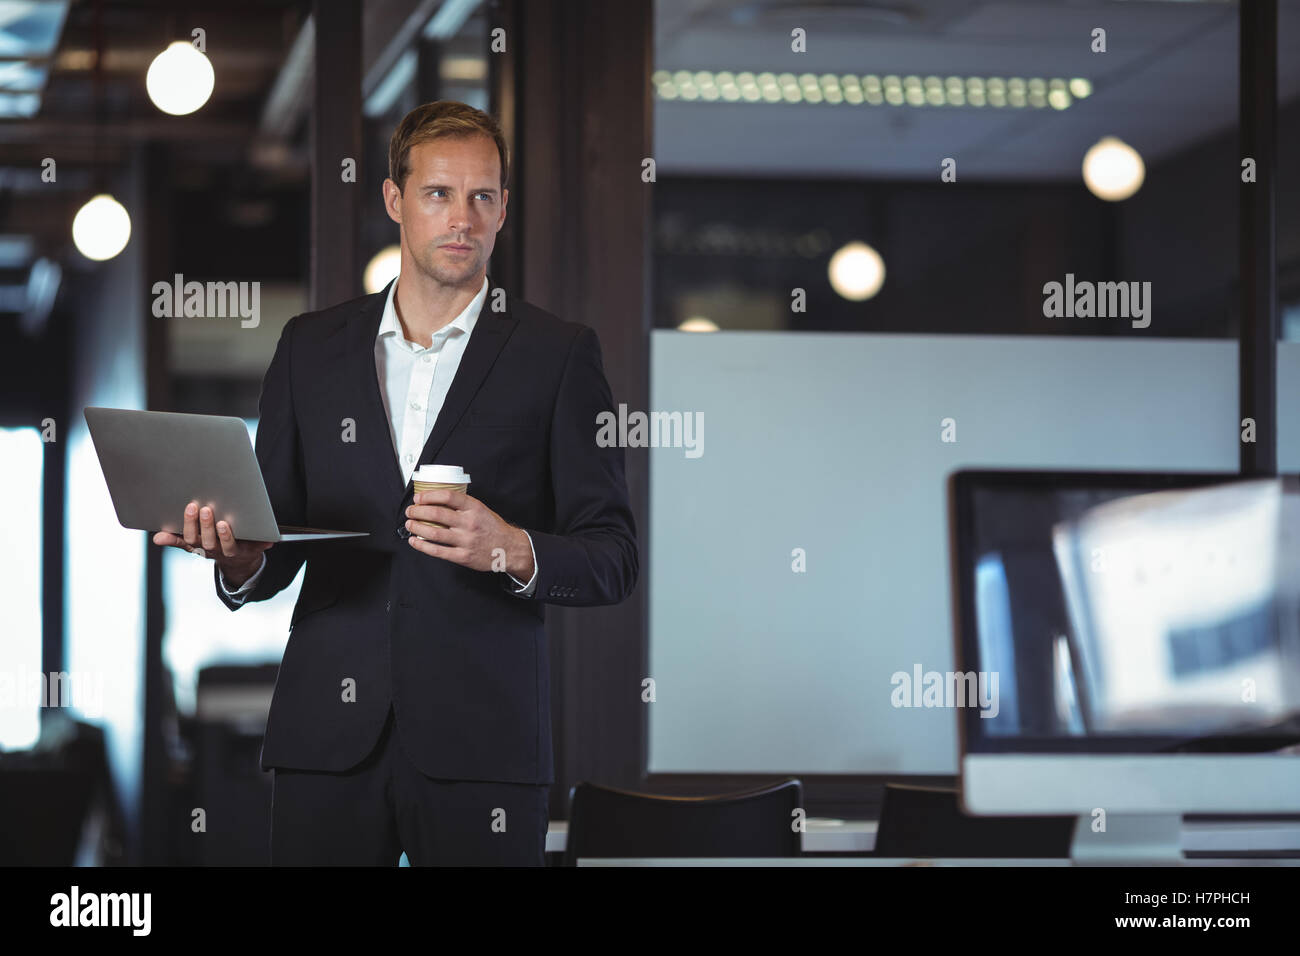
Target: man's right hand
[239,560]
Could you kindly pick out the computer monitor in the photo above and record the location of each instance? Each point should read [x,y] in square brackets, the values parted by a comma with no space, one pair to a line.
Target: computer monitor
[1135,639]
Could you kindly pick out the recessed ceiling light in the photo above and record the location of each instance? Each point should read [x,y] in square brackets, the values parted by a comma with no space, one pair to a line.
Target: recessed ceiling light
[830,88]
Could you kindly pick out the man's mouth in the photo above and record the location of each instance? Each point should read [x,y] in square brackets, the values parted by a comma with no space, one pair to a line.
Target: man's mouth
[457,247]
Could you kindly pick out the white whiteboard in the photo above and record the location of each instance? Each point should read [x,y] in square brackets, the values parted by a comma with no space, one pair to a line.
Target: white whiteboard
[759,669]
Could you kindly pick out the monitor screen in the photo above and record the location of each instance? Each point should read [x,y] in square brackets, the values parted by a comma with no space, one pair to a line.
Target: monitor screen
[1127,613]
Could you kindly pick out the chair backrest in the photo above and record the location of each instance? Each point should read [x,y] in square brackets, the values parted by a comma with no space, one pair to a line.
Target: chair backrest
[610,823]
[929,822]
[42,812]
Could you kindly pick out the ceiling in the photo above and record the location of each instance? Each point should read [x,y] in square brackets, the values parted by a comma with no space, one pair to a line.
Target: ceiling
[94,114]
[61,99]
[1168,79]
[89,115]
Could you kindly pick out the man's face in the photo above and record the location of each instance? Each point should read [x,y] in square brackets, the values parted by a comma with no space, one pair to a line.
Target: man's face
[450,208]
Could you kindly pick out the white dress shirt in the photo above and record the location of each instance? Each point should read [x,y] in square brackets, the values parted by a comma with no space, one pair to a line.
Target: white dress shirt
[415,382]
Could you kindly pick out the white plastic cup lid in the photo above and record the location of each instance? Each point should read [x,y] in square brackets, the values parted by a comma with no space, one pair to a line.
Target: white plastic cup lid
[443,474]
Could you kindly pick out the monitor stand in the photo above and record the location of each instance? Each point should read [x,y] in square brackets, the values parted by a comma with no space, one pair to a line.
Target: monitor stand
[1129,840]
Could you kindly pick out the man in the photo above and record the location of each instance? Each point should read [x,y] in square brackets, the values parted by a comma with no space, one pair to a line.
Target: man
[412,707]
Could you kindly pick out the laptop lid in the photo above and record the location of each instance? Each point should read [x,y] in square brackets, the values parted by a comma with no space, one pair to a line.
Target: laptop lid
[155,463]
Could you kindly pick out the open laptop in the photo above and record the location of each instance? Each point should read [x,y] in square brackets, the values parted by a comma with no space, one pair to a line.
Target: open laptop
[156,463]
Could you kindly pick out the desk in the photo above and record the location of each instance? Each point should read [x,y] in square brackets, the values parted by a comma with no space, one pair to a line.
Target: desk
[883,861]
[825,835]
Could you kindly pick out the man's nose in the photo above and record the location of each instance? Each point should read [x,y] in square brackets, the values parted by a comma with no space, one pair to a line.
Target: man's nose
[458,221]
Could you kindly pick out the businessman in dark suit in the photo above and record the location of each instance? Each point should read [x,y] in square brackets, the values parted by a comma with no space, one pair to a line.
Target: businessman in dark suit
[412,707]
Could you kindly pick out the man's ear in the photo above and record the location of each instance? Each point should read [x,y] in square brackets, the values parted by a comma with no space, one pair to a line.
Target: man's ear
[392,201]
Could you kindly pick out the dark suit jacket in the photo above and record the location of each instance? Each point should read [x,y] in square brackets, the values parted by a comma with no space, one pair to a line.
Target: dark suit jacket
[463,661]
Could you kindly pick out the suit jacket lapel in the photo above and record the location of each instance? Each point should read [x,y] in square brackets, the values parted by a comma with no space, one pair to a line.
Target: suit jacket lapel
[374,435]
[490,334]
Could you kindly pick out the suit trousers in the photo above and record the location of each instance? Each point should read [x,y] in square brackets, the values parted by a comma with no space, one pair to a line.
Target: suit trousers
[369,815]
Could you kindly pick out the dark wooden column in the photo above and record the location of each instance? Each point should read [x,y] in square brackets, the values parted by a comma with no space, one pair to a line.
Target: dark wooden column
[159,246]
[335,136]
[428,70]
[1257,355]
[503,103]
[577,106]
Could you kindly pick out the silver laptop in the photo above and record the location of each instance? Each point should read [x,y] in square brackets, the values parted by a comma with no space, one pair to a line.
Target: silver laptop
[156,463]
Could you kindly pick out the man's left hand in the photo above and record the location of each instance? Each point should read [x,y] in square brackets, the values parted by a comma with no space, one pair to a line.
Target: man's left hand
[475,537]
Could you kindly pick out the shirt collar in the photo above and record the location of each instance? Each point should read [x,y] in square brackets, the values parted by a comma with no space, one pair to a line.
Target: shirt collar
[465,321]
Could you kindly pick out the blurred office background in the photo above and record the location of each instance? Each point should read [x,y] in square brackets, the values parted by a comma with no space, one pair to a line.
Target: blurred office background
[853,211]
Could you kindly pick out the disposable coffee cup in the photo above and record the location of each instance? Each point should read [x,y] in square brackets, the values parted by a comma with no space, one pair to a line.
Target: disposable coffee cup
[433,477]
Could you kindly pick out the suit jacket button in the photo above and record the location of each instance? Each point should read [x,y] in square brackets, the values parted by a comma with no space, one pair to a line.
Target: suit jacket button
[403,533]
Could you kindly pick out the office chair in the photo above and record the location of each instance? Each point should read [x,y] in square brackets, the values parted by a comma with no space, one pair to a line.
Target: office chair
[42,812]
[929,822]
[605,822]
[49,793]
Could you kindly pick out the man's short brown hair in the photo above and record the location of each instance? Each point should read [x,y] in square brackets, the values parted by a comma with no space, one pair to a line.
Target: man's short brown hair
[434,121]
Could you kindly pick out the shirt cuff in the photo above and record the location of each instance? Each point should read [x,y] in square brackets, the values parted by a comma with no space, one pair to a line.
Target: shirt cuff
[526,589]
[240,593]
